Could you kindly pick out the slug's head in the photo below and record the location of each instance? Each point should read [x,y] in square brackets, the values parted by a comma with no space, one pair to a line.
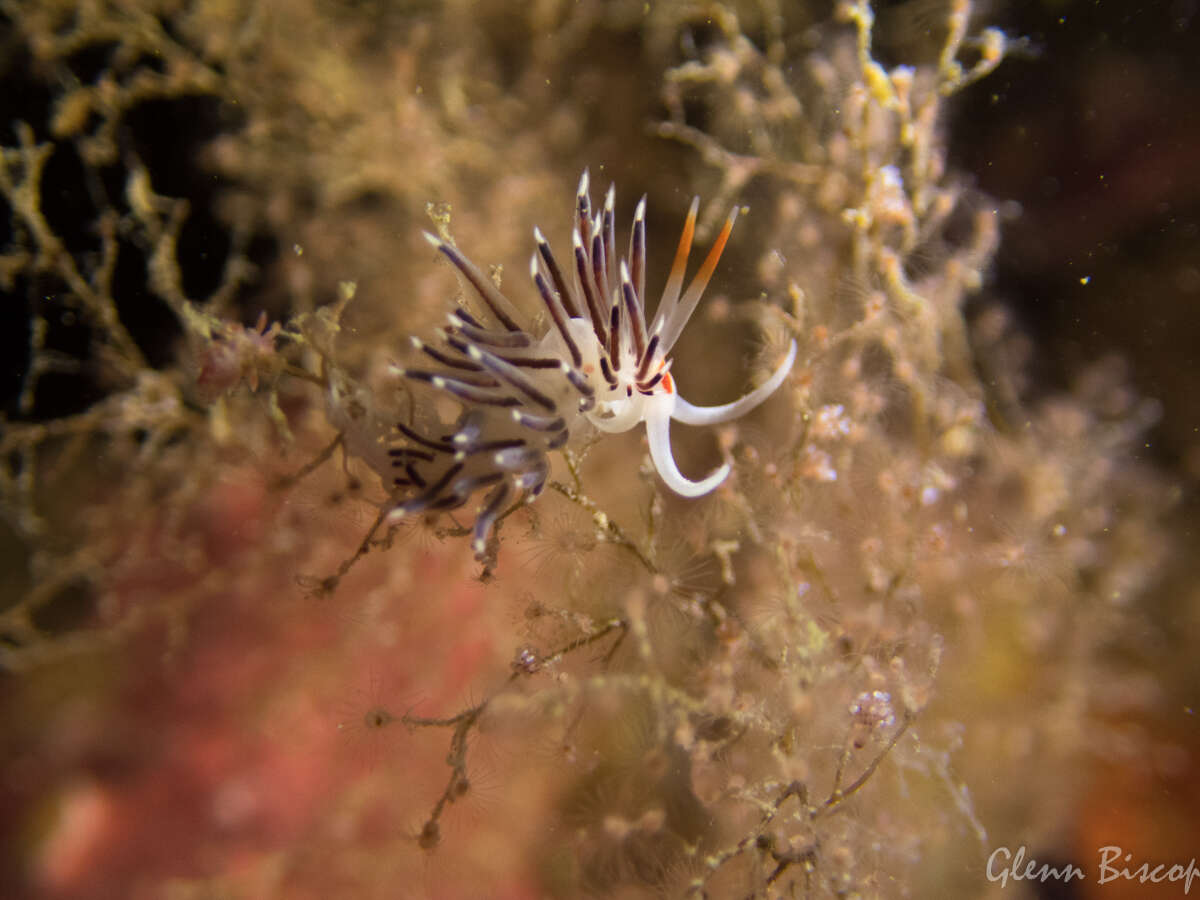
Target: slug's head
[606,334]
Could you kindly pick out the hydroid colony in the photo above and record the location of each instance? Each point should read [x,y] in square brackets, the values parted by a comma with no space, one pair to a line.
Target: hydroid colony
[901,531]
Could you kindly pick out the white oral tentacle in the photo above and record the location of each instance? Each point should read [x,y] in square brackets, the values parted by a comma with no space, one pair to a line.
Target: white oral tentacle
[712,415]
[658,433]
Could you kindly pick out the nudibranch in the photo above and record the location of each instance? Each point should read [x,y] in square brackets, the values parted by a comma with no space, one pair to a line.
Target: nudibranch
[599,364]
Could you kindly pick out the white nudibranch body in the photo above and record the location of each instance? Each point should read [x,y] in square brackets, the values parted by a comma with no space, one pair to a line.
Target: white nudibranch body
[600,362]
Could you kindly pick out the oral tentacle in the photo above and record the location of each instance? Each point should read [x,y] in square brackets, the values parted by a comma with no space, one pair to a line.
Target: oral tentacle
[658,434]
[712,415]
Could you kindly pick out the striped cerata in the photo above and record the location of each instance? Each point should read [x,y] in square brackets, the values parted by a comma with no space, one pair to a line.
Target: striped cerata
[599,364]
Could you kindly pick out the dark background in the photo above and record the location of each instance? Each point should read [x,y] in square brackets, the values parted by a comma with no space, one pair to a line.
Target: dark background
[1095,130]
